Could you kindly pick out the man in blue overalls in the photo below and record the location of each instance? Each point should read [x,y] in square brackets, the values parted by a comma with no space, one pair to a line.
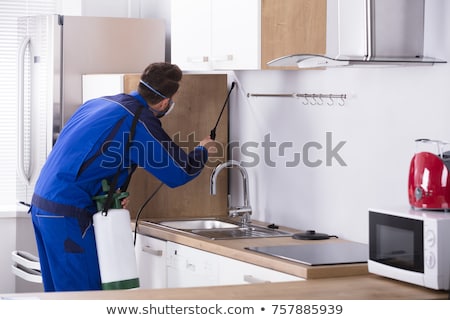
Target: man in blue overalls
[89,149]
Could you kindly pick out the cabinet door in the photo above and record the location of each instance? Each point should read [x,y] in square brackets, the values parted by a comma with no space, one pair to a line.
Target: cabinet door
[291,27]
[189,267]
[215,34]
[238,272]
[191,34]
[235,34]
[151,262]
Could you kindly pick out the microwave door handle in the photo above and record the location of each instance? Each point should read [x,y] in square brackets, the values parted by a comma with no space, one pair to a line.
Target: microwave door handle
[24,174]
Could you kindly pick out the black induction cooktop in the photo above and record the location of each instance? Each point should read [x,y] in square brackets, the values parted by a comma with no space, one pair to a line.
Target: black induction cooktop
[319,253]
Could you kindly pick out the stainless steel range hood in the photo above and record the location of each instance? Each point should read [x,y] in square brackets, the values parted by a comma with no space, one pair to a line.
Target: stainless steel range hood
[369,32]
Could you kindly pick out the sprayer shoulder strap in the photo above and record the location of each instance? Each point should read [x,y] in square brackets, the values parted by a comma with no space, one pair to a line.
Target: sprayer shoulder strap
[113,184]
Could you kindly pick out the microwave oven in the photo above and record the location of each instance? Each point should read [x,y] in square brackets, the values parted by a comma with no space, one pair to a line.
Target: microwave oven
[410,245]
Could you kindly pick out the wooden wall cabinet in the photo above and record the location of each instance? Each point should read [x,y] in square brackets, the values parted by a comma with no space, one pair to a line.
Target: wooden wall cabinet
[198,104]
[292,27]
[244,35]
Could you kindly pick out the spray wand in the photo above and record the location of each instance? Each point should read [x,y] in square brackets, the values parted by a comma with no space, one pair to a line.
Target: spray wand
[213,131]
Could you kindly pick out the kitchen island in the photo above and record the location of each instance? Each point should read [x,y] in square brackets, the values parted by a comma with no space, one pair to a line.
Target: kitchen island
[334,282]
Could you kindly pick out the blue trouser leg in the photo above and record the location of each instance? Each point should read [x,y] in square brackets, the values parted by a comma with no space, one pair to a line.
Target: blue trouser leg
[45,269]
[68,257]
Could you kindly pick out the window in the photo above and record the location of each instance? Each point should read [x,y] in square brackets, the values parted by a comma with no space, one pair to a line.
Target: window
[9,42]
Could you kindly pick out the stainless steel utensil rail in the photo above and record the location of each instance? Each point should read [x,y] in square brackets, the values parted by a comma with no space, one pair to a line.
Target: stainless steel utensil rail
[309,98]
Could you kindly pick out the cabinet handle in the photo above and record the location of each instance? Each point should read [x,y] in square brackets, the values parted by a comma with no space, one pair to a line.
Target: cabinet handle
[198,59]
[24,173]
[228,57]
[251,279]
[27,273]
[26,259]
[190,266]
[151,251]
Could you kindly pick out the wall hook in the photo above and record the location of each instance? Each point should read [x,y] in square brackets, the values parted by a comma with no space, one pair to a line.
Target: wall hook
[331,101]
[318,99]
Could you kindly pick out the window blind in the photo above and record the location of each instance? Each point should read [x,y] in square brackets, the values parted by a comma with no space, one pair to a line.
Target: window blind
[10,10]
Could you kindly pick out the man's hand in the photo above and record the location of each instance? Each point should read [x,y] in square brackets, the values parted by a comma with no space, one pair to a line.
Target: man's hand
[209,144]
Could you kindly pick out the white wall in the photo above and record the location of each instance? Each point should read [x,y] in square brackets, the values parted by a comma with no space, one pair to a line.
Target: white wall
[386,110]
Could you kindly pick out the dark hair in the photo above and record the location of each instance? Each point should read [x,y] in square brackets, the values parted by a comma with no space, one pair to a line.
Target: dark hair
[161,76]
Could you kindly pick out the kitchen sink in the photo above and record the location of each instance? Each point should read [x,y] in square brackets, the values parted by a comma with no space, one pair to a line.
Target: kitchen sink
[250,231]
[222,229]
[198,224]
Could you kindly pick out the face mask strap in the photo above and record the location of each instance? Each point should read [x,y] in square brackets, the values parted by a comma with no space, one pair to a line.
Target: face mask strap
[152,89]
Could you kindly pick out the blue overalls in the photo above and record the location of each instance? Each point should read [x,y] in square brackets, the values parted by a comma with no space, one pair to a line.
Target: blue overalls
[88,150]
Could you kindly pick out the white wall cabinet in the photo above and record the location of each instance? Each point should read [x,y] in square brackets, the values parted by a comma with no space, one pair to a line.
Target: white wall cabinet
[215,34]
[151,262]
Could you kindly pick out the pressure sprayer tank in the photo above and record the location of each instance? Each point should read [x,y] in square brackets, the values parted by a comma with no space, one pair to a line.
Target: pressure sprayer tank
[115,248]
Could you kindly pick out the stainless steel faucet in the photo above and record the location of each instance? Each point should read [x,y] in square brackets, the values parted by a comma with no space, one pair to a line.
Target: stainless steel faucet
[244,211]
